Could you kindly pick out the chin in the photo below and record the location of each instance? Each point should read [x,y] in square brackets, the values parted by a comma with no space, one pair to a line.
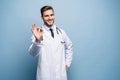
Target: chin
[49,24]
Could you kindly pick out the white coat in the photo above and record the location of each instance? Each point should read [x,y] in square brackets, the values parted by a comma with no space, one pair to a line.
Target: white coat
[54,54]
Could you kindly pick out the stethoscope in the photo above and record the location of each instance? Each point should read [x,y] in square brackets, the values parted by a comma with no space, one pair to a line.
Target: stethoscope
[58,32]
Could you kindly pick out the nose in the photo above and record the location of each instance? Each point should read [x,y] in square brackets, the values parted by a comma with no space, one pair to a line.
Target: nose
[50,17]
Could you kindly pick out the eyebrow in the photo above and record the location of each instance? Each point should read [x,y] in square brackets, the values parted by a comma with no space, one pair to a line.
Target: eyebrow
[48,15]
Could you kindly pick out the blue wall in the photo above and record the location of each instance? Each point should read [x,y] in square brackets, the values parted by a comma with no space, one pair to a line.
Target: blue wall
[92,25]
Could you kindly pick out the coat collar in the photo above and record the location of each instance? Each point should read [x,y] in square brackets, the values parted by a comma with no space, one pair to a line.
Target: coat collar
[48,29]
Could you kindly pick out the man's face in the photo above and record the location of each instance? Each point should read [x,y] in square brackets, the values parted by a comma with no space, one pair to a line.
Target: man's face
[48,17]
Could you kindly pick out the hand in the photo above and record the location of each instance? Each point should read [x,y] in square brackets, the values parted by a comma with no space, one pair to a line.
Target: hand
[37,32]
[66,67]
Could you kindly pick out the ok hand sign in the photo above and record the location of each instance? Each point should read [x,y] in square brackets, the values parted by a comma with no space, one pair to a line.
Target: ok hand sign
[37,32]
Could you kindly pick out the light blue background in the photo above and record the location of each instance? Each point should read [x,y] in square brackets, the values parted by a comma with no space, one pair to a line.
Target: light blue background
[92,25]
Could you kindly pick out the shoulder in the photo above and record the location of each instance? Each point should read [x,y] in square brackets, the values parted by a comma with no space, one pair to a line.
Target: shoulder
[60,30]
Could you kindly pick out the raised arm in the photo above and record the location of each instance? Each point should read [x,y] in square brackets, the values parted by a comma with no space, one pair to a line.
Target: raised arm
[35,46]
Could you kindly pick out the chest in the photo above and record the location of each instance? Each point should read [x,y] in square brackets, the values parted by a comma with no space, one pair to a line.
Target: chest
[49,41]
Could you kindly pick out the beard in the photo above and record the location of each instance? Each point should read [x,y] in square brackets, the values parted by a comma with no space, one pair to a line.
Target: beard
[49,24]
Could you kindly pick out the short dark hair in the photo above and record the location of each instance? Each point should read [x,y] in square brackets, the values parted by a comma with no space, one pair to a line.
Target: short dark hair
[45,8]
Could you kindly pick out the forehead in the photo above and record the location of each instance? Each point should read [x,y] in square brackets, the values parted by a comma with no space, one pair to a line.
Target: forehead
[47,12]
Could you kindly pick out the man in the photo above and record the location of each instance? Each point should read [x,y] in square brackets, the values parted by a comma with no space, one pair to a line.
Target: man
[53,47]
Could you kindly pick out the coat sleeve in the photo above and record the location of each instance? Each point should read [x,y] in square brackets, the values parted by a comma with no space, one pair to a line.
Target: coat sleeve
[35,47]
[68,49]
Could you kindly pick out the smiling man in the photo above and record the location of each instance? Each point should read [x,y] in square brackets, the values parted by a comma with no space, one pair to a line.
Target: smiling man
[53,47]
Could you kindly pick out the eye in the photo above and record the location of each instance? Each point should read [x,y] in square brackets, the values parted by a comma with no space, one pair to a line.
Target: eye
[52,14]
[46,16]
